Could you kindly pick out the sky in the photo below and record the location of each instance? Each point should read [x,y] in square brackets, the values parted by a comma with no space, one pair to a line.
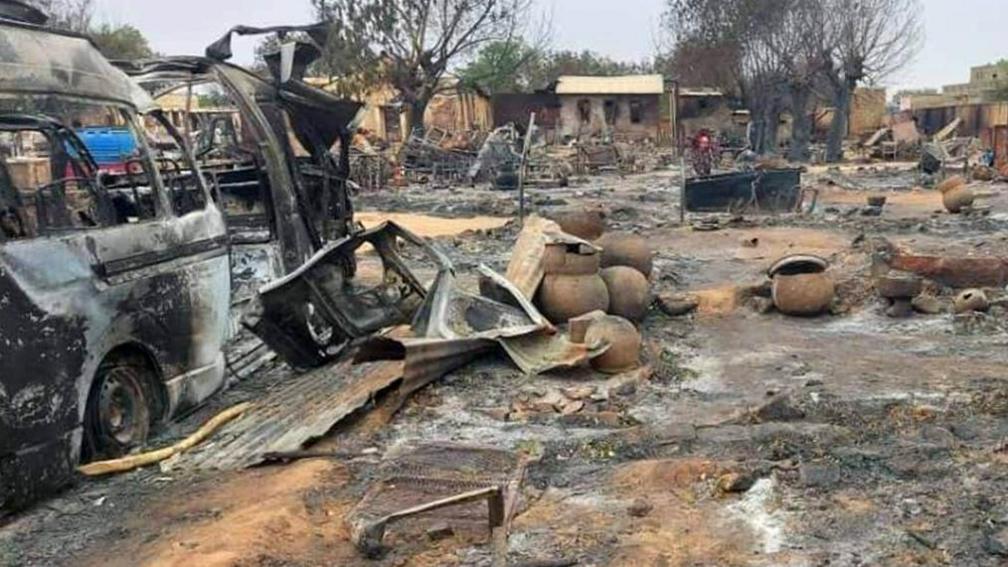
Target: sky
[959,33]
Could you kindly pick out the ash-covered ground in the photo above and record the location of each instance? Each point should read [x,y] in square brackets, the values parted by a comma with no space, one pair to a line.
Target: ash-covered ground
[744,439]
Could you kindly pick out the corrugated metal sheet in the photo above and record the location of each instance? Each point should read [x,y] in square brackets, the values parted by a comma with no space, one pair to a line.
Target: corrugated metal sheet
[627,84]
[302,408]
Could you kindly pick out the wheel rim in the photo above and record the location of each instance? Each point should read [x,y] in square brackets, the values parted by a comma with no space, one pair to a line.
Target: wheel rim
[120,404]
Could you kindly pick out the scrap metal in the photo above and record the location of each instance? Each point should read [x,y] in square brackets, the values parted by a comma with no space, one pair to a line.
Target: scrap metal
[753,191]
[443,482]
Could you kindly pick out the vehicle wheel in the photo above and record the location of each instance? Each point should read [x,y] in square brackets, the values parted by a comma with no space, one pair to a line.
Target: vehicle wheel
[118,413]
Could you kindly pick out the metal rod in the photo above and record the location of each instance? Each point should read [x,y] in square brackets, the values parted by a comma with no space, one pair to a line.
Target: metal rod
[521,169]
[682,191]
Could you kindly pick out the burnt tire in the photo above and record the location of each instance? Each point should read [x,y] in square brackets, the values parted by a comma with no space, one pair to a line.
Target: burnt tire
[118,415]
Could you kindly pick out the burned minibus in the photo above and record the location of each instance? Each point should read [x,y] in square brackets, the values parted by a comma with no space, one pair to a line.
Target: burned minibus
[276,150]
[114,286]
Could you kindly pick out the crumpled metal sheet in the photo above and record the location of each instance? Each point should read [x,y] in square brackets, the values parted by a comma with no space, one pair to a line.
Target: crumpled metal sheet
[303,408]
[542,352]
[454,328]
[527,266]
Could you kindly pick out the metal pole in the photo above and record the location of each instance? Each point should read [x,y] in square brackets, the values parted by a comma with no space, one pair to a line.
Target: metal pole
[682,191]
[521,169]
[188,116]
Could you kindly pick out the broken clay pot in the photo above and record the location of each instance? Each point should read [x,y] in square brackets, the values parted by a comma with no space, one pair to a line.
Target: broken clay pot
[629,292]
[624,249]
[803,295]
[624,344]
[955,200]
[899,285]
[564,297]
[588,224]
[877,200]
[971,300]
[928,304]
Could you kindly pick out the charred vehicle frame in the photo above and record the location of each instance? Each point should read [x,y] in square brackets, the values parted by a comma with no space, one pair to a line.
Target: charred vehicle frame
[113,288]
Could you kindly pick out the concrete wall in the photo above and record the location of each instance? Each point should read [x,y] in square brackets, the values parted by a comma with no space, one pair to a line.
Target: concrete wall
[585,116]
[868,111]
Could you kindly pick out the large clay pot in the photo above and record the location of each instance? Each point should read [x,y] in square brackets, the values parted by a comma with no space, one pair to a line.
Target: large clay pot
[559,261]
[624,249]
[629,292]
[955,200]
[951,183]
[803,295]
[588,224]
[624,344]
[563,297]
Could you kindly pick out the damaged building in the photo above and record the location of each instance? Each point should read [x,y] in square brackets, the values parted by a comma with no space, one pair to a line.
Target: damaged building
[626,108]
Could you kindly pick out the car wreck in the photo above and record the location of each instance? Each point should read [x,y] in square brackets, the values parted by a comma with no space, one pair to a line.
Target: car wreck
[113,287]
[282,191]
[117,278]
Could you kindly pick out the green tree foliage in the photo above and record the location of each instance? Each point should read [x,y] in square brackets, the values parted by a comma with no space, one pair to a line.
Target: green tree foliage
[121,42]
[518,67]
[115,41]
[501,67]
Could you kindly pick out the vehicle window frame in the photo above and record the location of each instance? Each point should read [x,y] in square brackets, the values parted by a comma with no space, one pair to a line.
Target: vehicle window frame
[187,153]
[130,117]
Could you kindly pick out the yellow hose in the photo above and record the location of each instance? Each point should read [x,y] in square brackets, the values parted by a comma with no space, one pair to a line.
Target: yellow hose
[131,462]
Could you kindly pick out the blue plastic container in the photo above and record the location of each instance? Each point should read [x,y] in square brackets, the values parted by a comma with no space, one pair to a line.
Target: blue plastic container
[109,146]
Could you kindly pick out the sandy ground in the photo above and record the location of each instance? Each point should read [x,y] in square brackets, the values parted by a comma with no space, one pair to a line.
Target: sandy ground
[430,227]
[748,439]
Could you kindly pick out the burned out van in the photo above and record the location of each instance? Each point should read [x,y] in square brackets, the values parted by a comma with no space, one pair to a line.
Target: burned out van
[276,150]
[114,284]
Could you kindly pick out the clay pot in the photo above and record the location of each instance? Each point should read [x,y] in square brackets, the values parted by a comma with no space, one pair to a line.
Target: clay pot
[951,183]
[898,285]
[563,297]
[624,344]
[955,200]
[803,295]
[629,292]
[583,223]
[971,300]
[559,261]
[623,249]
[877,200]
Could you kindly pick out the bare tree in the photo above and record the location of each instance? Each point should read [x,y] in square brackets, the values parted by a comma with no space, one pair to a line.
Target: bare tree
[736,36]
[413,43]
[865,41]
[797,42]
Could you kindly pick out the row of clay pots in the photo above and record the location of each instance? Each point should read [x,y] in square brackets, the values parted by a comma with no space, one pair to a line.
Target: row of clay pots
[574,285]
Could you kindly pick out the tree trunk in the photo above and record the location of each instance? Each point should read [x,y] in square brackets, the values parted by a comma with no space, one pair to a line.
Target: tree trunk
[771,123]
[801,127]
[417,110]
[838,129]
